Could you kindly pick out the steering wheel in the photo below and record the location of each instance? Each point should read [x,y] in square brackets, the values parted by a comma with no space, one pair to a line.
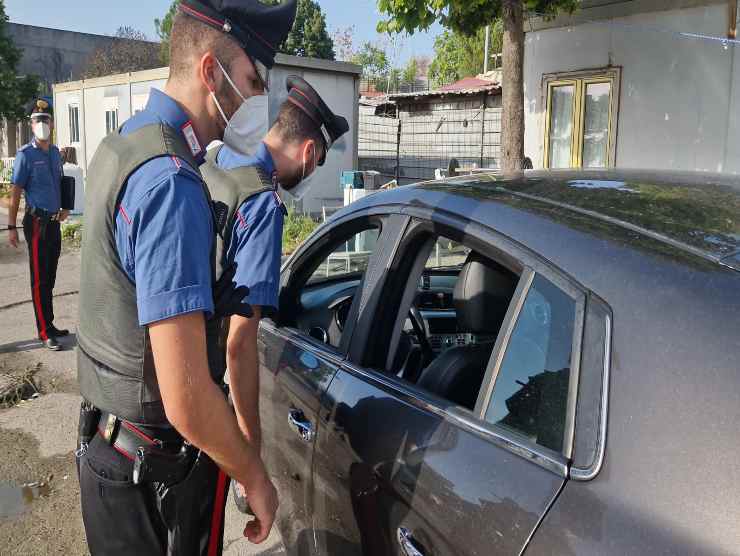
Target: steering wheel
[417,323]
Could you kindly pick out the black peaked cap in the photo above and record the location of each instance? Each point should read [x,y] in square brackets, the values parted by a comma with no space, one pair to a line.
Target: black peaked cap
[257,27]
[305,97]
[40,107]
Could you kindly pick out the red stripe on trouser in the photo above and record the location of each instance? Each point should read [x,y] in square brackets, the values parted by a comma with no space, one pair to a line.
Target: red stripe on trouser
[218,514]
[36,290]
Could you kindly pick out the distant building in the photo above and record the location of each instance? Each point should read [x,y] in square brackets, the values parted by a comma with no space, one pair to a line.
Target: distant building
[410,135]
[54,56]
[86,111]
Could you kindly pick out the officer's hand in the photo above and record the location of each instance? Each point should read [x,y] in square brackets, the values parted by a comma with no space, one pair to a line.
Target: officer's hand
[263,501]
[229,297]
[13,238]
[63,215]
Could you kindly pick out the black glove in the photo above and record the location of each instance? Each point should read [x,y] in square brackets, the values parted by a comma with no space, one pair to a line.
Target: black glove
[229,297]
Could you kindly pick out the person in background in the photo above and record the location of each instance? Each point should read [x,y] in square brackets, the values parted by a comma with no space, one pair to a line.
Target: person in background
[246,187]
[71,169]
[37,174]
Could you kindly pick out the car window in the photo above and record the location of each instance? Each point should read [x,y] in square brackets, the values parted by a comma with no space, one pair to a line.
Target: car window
[530,395]
[352,256]
[447,253]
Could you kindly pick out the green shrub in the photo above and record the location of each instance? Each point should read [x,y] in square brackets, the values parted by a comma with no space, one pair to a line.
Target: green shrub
[72,232]
[296,229]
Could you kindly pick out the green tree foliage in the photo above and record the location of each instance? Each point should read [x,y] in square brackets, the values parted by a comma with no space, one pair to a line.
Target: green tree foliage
[408,76]
[457,55]
[15,91]
[309,36]
[375,64]
[467,17]
[164,28]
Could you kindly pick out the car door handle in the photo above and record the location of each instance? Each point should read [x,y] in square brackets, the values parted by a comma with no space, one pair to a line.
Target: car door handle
[406,540]
[302,426]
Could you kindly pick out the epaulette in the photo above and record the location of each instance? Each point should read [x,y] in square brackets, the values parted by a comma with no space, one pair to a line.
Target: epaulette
[24,147]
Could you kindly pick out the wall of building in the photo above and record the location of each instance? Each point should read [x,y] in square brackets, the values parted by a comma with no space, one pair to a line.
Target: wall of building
[336,82]
[679,98]
[53,54]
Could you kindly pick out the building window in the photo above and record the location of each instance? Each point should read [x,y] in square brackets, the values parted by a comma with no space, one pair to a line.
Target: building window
[74,123]
[581,119]
[111,120]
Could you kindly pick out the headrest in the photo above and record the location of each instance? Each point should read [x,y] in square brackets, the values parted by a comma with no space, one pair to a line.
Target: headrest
[482,295]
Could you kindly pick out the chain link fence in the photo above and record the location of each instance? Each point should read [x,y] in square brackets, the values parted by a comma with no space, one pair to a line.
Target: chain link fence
[409,139]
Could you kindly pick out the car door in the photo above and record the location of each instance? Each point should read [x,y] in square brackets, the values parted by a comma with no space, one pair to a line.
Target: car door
[296,367]
[400,471]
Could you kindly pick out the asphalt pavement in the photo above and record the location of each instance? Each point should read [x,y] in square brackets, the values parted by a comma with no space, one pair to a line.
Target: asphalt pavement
[37,436]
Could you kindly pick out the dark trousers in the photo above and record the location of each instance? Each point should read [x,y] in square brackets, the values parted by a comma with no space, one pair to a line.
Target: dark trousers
[122,518]
[44,245]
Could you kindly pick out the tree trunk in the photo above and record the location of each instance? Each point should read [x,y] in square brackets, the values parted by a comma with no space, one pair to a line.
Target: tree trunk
[512,121]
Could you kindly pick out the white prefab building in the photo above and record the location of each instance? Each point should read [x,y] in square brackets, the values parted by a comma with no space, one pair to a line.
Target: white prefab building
[636,84]
[86,111]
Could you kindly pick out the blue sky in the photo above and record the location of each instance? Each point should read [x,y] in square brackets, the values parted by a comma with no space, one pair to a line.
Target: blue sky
[105,16]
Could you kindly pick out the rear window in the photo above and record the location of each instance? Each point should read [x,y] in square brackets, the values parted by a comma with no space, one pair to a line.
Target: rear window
[530,396]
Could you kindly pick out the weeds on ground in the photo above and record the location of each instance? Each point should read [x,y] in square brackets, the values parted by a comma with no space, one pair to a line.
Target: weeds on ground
[72,232]
[17,385]
[296,229]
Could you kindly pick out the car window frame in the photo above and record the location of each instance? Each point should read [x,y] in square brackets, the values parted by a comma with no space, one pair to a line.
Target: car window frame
[311,248]
[503,341]
[495,245]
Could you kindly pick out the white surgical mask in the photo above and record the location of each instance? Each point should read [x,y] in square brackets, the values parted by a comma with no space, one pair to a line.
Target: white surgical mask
[249,124]
[41,130]
[304,185]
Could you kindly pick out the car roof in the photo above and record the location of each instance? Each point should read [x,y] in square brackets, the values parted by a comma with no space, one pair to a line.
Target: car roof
[696,213]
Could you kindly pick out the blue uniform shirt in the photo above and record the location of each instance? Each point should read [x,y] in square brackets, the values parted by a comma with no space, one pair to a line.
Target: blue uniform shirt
[39,174]
[164,224]
[256,243]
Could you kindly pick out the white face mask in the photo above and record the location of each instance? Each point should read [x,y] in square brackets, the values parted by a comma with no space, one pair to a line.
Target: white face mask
[304,185]
[41,130]
[249,124]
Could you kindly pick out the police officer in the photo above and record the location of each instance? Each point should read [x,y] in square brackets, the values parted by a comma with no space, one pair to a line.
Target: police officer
[246,186]
[37,172]
[157,436]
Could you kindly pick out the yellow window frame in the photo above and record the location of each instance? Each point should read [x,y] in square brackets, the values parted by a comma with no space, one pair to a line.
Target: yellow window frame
[580,85]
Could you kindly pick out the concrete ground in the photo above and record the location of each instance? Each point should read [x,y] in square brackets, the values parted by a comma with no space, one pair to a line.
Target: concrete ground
[37,436]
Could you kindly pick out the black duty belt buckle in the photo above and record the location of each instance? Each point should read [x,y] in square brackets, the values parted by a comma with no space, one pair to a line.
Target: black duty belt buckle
[110,428]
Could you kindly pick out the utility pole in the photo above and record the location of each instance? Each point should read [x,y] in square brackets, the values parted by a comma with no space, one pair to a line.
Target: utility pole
[485,55]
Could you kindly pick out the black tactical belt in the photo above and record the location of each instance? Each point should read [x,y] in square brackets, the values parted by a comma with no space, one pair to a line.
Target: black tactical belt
[42,213]
[126,438]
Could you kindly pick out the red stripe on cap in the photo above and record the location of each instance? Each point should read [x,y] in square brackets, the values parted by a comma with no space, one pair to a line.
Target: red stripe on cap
[300,105]
[312,103]
[199,15]
[260,37]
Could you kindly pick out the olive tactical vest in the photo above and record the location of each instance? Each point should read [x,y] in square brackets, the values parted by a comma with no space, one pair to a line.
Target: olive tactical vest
[228,189]
[114,358]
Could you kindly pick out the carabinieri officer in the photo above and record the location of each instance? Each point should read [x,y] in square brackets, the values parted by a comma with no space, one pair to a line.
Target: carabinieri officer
[246,187]
[37,172]
[157,436]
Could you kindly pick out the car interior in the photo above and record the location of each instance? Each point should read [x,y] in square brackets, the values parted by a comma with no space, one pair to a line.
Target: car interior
[447,315]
